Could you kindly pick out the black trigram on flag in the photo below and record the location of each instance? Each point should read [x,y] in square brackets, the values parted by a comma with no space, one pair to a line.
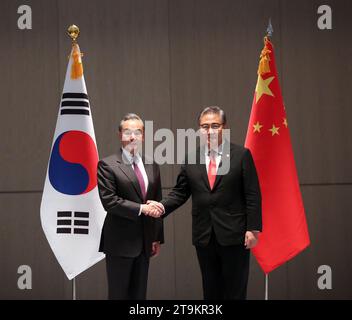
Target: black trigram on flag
[74,103]
[78,224]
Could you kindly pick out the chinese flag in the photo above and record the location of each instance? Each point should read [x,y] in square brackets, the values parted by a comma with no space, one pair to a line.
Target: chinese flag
[285,231]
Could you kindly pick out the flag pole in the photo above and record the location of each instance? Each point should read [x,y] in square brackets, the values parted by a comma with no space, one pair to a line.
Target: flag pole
[74,289]
[73,32]
[269,31]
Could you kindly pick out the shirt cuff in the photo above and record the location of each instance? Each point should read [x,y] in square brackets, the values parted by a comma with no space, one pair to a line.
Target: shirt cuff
[140,210]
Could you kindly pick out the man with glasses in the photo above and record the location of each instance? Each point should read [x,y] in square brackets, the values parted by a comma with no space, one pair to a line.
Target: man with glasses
[129,237]
[226,208]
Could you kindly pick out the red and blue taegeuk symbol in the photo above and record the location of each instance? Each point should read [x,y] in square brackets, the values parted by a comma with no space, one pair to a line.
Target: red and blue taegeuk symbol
[73,163]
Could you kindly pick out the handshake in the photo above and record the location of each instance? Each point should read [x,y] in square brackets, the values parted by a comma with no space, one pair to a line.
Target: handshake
[153,209]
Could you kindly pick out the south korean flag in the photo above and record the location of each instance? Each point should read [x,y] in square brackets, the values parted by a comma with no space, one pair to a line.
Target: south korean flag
[71,212]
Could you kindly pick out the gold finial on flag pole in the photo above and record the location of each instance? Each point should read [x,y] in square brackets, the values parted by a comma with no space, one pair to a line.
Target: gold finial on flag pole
[77,67]
[73,32]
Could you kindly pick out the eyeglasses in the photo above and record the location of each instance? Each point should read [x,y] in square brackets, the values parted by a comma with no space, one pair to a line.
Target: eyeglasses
[214,126]
[128,133]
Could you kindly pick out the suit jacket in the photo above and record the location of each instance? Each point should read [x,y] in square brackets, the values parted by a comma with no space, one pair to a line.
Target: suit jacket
[125,233]
[231,208]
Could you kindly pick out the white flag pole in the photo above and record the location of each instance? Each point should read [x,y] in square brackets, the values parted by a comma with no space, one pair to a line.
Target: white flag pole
[74,289]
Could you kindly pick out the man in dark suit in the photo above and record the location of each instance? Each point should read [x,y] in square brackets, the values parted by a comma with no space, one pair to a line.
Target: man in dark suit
[129,237]
[226,208]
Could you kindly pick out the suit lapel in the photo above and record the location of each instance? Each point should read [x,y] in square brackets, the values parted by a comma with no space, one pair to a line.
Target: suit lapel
[127,169]
[218,177]
[149,171]
[202,166]
[226,155]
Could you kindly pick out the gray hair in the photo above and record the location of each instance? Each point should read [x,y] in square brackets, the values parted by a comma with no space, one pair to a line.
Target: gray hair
[129,116]
[213,109]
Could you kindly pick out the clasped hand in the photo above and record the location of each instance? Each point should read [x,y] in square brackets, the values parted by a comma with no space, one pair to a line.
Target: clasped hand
[153,209]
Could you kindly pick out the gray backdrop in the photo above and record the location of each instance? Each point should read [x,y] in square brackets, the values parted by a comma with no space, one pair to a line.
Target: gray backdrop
[165,60]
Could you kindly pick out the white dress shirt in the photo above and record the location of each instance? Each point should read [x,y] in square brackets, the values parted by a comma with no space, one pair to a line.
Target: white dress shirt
[218,155]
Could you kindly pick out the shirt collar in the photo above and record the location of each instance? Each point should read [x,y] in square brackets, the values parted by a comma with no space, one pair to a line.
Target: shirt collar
[217,151]
[131,159]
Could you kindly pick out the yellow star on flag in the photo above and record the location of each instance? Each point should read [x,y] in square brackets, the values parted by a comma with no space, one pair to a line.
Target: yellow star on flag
[257,127]
[285,122]
[274,130]
[263,87]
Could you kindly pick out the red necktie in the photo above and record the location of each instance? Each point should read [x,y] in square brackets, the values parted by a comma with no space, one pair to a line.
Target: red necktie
[212,171]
